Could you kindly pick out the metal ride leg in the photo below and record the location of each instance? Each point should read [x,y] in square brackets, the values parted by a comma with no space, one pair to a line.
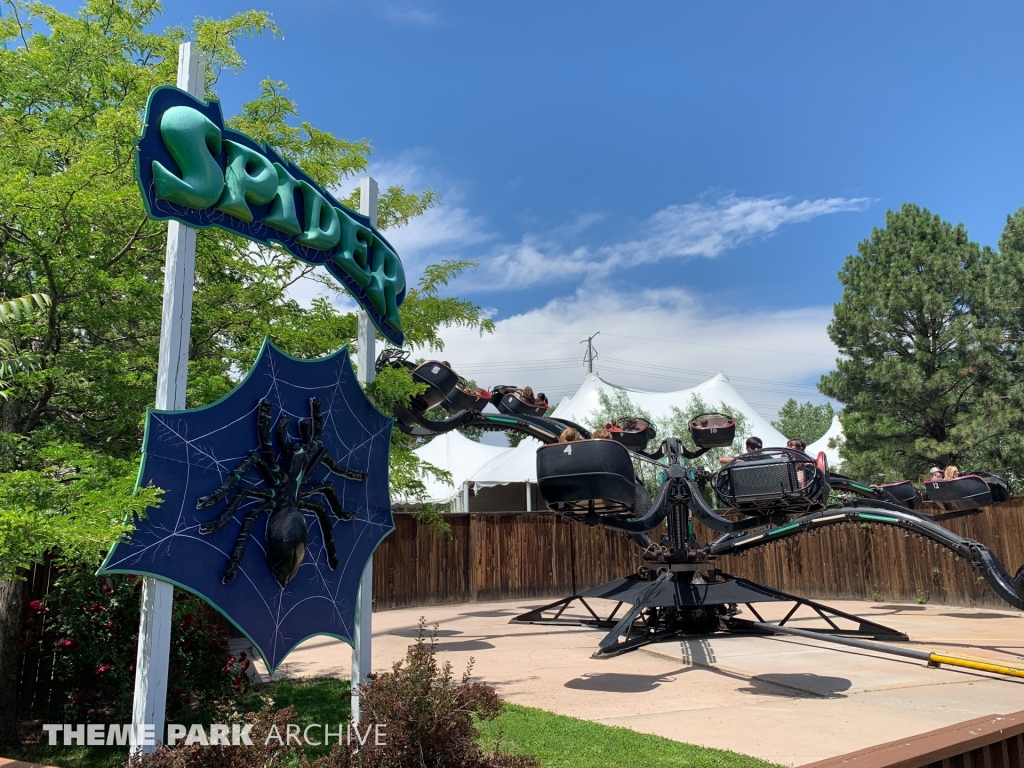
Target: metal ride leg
[536,616]
[865,627]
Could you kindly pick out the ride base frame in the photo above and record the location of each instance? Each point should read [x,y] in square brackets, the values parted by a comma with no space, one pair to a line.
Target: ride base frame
[684,602]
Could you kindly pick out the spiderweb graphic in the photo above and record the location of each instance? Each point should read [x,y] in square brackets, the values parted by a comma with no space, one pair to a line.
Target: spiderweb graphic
[190,453]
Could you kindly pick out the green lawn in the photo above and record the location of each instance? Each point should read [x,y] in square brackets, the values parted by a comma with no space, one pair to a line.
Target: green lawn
[557,741]
[564,742]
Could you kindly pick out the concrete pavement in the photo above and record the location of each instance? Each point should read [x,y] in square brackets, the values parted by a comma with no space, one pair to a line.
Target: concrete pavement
[787,700]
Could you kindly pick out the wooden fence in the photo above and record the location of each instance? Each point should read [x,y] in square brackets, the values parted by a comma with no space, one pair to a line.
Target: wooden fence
[495,556]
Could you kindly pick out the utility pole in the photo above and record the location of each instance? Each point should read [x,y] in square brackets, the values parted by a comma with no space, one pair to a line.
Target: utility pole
[591,354]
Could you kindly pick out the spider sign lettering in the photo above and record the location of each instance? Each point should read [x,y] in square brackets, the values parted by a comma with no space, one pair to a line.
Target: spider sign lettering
[191,167]
[286,494]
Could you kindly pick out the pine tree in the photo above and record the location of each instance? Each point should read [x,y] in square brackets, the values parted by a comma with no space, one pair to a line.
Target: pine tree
[925,373]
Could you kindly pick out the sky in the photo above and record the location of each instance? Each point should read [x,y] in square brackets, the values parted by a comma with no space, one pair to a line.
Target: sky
[684,178]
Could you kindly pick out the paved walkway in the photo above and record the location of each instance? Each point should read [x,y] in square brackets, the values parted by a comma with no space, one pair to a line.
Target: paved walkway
[787,700]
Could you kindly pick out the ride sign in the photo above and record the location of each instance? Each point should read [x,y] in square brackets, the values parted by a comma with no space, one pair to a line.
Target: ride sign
[193,169]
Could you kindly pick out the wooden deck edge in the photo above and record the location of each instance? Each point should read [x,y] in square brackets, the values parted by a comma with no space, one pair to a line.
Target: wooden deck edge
[932,746]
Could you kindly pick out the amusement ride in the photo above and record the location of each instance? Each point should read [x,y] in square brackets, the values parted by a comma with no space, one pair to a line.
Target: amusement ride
[763,497]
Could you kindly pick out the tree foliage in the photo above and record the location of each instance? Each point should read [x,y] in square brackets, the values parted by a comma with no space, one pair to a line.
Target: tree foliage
[617,404]
[929,331]
[806,421]
[73,227]
[11,358]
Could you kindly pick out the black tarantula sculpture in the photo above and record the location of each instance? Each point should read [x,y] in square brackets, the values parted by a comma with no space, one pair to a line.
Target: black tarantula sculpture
[286,495]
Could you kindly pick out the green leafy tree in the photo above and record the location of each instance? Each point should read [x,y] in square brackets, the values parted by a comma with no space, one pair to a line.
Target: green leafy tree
[614,405]
[928,328]
[677,424]
[13,359]
[617,404]
[806,421]
[73,227]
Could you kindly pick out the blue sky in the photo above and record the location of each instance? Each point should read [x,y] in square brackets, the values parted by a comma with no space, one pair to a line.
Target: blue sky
[685,178]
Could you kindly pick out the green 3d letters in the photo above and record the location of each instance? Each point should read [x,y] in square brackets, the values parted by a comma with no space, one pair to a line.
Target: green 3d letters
[249,178]
[194,142]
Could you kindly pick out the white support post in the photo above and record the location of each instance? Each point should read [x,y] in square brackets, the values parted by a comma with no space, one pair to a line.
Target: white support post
[172,378]
[465,497]
[362,636]
[529,496]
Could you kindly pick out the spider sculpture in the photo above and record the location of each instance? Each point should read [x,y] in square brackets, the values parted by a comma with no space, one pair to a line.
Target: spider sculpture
[286,494]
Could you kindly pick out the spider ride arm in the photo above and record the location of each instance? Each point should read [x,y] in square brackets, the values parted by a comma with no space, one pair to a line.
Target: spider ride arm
[543,428]
[703,512]
[416,424]
[637,528]
[845,484]
[978,555]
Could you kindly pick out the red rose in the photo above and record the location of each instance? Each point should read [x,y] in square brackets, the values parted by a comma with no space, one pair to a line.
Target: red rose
[37,606]
[104,668]
[67,643]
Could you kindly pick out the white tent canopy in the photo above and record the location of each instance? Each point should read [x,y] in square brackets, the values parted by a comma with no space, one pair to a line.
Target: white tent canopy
[821,444]
[460,456]
[659,404]
[483,465]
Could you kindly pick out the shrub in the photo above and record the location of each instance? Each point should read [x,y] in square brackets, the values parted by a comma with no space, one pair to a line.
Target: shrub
[428,717]
[264,752]
[92,625]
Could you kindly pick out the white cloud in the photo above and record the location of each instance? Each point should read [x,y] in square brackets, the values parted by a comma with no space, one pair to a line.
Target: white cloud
[658,340]
[443,231]
[698,229]
[407,13]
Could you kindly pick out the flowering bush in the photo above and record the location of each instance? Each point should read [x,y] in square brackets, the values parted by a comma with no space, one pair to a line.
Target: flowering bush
[92,625]
[427,716]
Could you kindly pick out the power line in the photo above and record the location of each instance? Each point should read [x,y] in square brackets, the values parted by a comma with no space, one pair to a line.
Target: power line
[653,338]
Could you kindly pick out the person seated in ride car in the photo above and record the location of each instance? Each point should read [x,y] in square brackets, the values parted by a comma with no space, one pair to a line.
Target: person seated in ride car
[526,393]
[934,473]
[753,445]
[542,400]
[569,435]
[952,472]
[796,444]
[601,434]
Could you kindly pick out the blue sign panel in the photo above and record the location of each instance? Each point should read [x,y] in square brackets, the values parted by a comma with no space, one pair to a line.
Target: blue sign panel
[192,169]
[275,497]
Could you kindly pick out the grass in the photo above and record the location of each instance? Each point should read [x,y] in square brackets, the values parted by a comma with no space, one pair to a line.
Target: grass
[557,741]
[565,742]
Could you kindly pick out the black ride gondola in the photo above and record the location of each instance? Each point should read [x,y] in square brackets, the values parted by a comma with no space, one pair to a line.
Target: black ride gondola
[634,433]
[466,398]
[713,430]
[967,492]
[590,477]
[771,481]
[437,376]
[513,402]
[902,492]
[440,381]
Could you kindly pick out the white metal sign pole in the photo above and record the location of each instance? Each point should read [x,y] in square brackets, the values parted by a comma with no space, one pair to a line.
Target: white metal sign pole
[362,637]
[172,377]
